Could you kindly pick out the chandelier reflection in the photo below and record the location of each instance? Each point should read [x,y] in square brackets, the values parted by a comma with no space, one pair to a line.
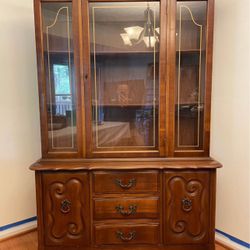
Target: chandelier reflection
[147,34]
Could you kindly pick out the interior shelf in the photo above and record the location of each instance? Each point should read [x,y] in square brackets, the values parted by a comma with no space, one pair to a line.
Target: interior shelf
[136,53]
[126,105]
[115,53]
[190,50]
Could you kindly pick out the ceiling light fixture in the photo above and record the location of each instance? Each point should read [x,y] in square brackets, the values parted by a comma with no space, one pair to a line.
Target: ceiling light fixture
[126,39]
[148,34]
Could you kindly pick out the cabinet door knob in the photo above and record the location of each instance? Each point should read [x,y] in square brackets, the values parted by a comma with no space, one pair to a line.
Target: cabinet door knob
[65,206]
[131,210]
[131,236]
[131,183]
[187,204]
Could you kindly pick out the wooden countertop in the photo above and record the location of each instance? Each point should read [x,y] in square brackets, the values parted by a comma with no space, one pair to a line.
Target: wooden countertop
[124,164]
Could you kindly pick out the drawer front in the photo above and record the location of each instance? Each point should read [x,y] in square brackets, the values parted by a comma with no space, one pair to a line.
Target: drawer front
[126,182]
[127,234]
[132,208]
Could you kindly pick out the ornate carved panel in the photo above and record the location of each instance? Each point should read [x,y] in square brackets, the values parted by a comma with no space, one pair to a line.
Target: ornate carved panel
[186,207]
[66,209]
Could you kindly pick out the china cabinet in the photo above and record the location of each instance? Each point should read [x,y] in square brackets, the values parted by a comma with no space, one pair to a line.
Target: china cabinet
[125,91]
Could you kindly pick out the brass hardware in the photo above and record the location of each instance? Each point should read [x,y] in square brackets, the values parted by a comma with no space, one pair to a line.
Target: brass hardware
[131,183]
[131,210]
[131,236]
[65,206]
[187,204]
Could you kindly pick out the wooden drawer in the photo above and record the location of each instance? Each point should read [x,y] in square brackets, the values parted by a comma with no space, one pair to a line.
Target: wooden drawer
[127,234]
[120,208]
[126,182]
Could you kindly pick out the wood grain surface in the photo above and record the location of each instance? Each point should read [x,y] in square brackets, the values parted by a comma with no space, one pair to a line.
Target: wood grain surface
[29,242]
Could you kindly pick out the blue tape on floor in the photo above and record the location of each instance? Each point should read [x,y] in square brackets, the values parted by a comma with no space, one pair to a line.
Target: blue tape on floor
[15,224]
[234,239]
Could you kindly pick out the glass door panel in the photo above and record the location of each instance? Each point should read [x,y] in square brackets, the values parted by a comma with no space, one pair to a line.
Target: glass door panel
[59,69]
[190,74]
[125,74]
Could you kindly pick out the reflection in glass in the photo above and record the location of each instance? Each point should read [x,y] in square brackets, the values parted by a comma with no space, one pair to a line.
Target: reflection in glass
[124,59]
[60,86]
[190,73]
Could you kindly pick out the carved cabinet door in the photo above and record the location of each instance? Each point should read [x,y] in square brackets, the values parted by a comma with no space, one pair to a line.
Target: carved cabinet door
[186,208]
[66,208]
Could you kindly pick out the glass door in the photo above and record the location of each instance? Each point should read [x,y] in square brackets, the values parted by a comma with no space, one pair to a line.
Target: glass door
[60,77]
[124,54]
[191,26]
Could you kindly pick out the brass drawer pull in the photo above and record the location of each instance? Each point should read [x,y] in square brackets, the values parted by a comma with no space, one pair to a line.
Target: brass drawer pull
[131,236]
[131,210]
[131,183]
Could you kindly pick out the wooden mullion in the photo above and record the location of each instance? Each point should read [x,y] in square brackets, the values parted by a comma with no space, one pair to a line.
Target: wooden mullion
[162,79]
[76,17]
[171,61]
[86,78]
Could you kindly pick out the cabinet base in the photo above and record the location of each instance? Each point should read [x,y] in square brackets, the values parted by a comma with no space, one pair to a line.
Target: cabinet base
[168,206]
[132,247]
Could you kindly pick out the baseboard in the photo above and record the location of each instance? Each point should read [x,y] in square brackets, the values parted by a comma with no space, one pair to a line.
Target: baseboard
[220,243]
[17,228]
[229,243]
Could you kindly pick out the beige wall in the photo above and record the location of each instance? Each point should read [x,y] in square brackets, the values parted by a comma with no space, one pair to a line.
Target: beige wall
[19,118]
[230,140]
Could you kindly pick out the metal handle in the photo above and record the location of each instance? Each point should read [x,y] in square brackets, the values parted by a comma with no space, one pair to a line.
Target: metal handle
[131,236]
[187,204]
[131,183]
[65,206]
[131,210]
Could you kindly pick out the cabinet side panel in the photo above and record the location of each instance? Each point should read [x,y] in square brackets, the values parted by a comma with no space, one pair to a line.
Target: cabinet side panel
[209,67]
[41,74]
[39,203]
[212,208]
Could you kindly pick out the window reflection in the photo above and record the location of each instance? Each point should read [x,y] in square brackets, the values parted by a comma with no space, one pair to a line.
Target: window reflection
[60,85]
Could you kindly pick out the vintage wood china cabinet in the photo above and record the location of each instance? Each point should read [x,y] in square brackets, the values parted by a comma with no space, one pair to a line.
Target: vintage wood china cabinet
[125,90]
